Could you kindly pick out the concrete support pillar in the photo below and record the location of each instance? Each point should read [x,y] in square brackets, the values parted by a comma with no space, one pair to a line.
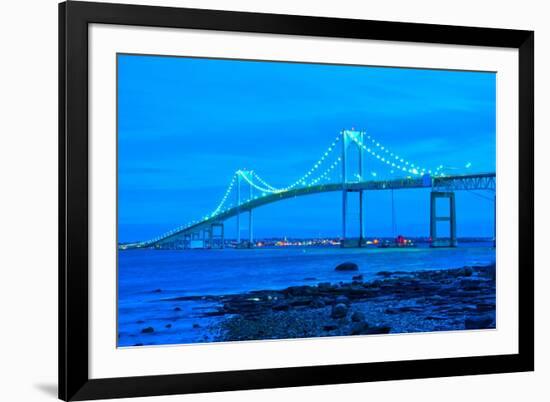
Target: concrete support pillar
[186,241]
[433,222]
[250,229]
[451,218]
[217,239]
[361,234]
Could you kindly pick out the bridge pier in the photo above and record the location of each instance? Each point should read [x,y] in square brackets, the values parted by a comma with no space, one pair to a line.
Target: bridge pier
[250,234]
[434,218]
[217,240]
[361,233]
[206,237]
[186,241]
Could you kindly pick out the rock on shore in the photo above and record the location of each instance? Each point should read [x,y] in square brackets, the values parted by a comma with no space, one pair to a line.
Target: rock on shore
[396,302]
[347,266]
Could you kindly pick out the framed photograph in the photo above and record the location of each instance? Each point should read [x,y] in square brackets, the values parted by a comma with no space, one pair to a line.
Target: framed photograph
[256,200]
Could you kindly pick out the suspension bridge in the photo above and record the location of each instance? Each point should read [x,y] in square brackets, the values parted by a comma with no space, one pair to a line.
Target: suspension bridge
[334,171]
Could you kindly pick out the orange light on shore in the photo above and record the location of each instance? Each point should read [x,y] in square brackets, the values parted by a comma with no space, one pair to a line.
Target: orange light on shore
[375,241]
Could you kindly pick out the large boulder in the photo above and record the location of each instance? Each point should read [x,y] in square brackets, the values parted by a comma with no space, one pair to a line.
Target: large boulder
[362,328]
[339,310]
[341,299]
[377,330]
[317,303]
[280,306]
[358,316]
[347,266]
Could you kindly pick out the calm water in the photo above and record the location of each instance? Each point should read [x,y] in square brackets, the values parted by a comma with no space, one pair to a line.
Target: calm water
[146,276]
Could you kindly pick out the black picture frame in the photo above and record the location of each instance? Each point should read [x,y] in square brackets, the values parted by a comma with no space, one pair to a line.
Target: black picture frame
[74,18]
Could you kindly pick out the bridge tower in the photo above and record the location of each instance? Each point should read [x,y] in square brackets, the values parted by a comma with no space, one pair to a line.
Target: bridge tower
[353,139]
[244,175]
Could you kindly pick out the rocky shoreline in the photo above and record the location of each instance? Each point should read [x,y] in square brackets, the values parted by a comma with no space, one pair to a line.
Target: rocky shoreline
[394,302]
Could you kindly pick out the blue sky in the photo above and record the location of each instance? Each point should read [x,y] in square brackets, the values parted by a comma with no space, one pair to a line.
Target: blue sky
[185,125]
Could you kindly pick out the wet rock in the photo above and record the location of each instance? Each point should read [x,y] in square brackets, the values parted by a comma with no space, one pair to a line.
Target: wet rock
[330,327]
[484,307]
[317,303]
[138,344]
[310,278]
[299,302]
[436,318]
[470,284]
[341,299]
[376,330]
[347,266]
[148,330]
[362,328]
[408,309]
[466,271]
[339,310]
[215,313]
[357,316]
[478,322]
[384,274]
[357,277]
[280,307]
[488,271]
[177,309]
[359,328]
[196,326]
[168,326]
[324,286]
[299,290]
[157,290]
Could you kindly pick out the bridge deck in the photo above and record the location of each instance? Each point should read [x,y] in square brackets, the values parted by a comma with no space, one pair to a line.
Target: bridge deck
[483,181]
